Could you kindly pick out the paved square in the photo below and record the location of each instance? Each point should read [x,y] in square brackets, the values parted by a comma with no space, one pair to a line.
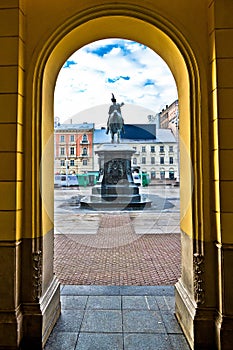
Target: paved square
[118,248]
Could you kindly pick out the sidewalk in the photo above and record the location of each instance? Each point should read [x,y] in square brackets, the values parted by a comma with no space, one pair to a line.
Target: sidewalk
[117,318]
[114,254]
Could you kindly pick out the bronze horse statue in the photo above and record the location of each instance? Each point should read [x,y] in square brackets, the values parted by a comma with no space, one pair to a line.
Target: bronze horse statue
[115,121]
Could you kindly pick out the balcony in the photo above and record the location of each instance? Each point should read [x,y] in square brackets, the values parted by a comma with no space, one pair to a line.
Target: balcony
[84,142]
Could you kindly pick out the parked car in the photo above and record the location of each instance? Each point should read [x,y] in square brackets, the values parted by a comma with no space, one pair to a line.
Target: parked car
[66,180]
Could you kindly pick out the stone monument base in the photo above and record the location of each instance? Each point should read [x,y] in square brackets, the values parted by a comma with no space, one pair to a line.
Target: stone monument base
[122,204]
[115,189]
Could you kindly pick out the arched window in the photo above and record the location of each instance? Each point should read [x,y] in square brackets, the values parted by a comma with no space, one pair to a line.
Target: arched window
[171,174]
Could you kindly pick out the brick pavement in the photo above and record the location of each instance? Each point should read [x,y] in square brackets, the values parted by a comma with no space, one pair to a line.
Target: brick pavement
[116,255]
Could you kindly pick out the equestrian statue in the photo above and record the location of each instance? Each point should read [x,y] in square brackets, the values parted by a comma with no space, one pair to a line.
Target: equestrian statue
[115,122]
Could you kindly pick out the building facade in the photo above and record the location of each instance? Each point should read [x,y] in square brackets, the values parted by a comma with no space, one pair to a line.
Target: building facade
[156,150]
[169,118]
[73,151]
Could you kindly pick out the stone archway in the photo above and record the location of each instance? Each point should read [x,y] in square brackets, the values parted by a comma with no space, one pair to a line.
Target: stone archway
[138,24]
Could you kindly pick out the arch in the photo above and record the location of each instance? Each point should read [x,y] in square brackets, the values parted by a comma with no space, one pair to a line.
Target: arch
[151,29]
[129,23]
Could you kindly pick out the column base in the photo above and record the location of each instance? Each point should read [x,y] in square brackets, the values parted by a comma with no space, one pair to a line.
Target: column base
[224,332]
[10,329]
[184,311]
[196,322]
[40,318]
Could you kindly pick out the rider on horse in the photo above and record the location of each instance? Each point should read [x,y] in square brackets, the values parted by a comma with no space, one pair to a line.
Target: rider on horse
[115,121]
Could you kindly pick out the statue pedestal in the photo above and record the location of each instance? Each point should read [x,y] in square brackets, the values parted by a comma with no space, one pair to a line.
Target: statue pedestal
[115,188]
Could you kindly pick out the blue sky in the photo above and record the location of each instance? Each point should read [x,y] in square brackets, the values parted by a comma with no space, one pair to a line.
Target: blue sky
[134,73]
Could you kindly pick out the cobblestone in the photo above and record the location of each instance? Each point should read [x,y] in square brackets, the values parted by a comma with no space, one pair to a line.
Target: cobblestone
[116,255]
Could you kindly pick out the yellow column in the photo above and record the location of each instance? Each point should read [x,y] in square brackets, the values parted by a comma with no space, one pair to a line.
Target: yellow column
[11,177]
[221,34]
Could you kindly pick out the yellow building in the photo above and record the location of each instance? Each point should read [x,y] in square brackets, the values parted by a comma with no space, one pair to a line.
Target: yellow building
[195,39]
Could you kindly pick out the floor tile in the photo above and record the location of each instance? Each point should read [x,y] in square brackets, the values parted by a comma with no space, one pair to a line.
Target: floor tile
[71,302]
[171,323]
[147,290]
[165,304]
[170,302]
[125,317]
[69,321]
[99,341]
[147,342]
[178,341]
[102,321]
[61,341]
[104,302]
[139,303]
[142,322]
[90,290]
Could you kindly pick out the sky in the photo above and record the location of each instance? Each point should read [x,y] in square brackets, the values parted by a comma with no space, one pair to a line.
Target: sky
[133,72]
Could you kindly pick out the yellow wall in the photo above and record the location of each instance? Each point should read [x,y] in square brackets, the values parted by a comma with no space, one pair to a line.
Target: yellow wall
[68,29]
[50,31]
[194,37]
[11,119]
[221,59]
[53,31]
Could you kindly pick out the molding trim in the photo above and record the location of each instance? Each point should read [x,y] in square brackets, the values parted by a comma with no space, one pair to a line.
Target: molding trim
[37,274]
[51,308]
[10,244]
[198,282]
[224,246]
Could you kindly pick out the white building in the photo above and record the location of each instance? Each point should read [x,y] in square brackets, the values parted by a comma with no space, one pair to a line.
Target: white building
[156,151]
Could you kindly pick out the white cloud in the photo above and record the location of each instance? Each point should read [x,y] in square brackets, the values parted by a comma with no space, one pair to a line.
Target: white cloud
[133,72]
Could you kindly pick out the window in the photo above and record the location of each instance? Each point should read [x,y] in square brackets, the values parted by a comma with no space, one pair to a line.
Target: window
[152,160]
[161,160]
[152,149]
[171,175]
[62,151]
[71,138]
[135,148]
[71,151]
[62,162]
[62,138]
[170,148]
[170,160]
[153,175]
[84,161]
[162,175]
[143,160]
[84,151]
[134,161]
[143,149]
[72,162]
[84,138]
[161,149]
